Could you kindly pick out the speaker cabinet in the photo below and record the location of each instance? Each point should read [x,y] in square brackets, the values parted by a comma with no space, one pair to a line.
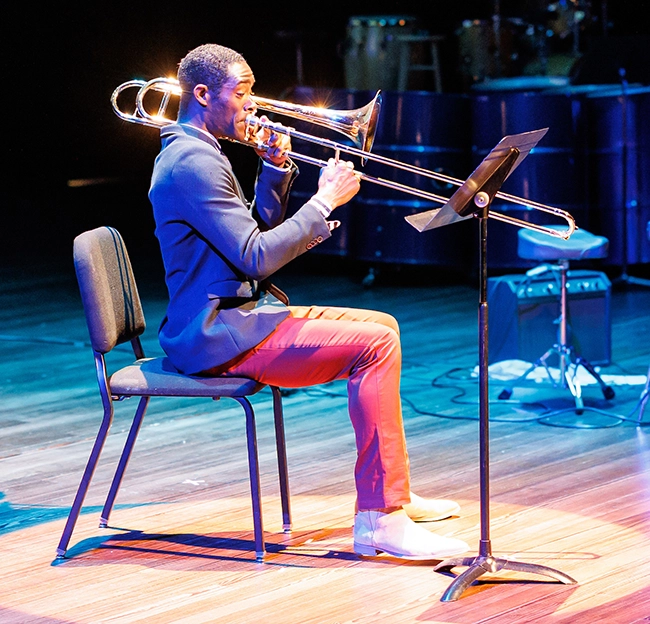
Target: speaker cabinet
[524,314]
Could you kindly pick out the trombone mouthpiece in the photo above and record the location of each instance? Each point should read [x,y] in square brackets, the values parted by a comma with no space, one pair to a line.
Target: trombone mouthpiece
[252,126]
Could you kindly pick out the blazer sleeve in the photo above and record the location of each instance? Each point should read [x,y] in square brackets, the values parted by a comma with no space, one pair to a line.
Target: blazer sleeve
[216,209]
[272,189]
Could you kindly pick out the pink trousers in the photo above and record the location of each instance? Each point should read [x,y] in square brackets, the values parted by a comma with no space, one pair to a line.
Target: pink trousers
[316,345]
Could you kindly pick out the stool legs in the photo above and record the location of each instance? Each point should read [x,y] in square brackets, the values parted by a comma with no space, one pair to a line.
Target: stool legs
[563,349]
[569,362]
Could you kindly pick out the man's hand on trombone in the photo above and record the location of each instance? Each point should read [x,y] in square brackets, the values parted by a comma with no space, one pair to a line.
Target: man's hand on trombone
[273,146]
[338,182]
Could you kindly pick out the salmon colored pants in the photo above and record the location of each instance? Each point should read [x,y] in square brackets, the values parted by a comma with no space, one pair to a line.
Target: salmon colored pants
[317,345]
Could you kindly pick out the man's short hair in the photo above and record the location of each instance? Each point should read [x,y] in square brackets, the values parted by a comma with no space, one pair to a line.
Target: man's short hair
[208,64]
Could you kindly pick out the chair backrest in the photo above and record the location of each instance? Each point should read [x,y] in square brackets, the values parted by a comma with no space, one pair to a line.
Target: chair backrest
[109,293]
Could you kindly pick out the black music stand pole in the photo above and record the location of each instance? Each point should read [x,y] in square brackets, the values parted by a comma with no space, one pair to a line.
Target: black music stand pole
[473,199]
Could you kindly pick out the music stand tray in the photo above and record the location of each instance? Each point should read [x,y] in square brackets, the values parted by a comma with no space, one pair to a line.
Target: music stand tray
[473,199]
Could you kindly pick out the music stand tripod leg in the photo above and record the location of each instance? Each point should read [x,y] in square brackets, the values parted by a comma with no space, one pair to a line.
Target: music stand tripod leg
[489,565]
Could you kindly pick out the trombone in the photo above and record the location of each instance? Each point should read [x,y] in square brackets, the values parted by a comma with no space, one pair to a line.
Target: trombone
[359,125]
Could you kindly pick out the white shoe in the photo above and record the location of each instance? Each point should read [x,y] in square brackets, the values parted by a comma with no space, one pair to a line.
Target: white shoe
[397,535]
[430,509]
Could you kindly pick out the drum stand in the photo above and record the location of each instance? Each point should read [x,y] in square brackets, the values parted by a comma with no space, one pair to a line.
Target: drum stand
[473,199]
[624,277]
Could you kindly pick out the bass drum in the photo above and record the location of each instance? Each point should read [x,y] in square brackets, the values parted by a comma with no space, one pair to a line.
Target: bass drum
[619,166]
[489,49]
[430,131]
[554,172]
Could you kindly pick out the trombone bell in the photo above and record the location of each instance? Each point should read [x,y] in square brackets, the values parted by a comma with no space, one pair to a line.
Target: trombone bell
[359,125]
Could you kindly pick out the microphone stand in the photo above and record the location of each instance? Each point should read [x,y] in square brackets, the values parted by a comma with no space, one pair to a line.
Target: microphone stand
[473,199]
[624,277]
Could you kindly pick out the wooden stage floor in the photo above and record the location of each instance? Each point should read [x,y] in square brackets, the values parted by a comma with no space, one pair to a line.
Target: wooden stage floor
[180,543]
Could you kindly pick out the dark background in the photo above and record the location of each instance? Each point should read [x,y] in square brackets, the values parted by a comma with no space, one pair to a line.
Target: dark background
[63,60]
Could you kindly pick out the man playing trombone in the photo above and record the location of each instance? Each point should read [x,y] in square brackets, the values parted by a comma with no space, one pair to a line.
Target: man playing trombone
[224,317]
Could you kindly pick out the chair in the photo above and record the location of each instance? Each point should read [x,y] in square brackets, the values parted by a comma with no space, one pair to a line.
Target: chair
[114,316]
[581,245]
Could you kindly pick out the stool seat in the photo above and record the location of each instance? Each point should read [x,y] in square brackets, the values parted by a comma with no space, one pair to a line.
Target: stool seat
[581,245]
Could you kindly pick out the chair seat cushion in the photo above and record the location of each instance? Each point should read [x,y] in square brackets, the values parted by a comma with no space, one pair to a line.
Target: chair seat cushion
[581,245]
[158,377]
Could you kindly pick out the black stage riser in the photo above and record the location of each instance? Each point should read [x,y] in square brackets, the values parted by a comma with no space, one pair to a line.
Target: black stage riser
[594,163]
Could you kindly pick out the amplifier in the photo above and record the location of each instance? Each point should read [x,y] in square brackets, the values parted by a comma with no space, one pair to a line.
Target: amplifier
[524,313]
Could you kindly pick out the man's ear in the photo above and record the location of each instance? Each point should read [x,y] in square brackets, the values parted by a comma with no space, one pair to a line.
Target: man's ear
[201,94]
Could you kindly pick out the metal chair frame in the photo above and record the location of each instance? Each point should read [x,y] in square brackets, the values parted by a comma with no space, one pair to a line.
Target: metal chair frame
[114,315]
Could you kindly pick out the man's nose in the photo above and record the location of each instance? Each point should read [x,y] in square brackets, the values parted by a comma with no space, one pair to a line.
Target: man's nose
[251,106]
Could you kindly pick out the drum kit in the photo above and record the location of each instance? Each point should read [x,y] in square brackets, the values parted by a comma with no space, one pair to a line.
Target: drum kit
[425,141]
[545,40]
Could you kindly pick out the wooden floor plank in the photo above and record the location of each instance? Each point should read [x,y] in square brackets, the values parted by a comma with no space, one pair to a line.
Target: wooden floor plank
[179,547]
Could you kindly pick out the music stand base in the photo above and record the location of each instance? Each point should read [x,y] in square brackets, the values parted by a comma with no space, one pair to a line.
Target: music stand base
[477,566]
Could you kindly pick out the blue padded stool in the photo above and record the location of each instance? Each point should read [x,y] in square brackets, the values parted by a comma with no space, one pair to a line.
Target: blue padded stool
[555,254]
[581,245]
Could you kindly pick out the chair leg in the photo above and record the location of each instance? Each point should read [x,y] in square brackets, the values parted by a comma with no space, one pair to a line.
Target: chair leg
[283,472]
[85,480]
[254,472]
[124,460]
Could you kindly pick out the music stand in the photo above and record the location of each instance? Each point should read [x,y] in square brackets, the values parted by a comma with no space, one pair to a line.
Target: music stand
[473,199]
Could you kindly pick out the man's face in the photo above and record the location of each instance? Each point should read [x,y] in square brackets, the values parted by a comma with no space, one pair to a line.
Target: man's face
[228,108]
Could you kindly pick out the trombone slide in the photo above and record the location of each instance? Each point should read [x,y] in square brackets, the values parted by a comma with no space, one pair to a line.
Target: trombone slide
[358,125]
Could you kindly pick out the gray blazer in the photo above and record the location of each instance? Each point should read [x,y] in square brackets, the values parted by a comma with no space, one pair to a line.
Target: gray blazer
[219,251]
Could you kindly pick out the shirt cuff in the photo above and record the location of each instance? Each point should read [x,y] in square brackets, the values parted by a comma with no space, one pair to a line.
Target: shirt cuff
[323,207]
[284,168]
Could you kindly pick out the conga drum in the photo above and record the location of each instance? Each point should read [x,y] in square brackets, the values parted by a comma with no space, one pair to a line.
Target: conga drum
[372,50]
